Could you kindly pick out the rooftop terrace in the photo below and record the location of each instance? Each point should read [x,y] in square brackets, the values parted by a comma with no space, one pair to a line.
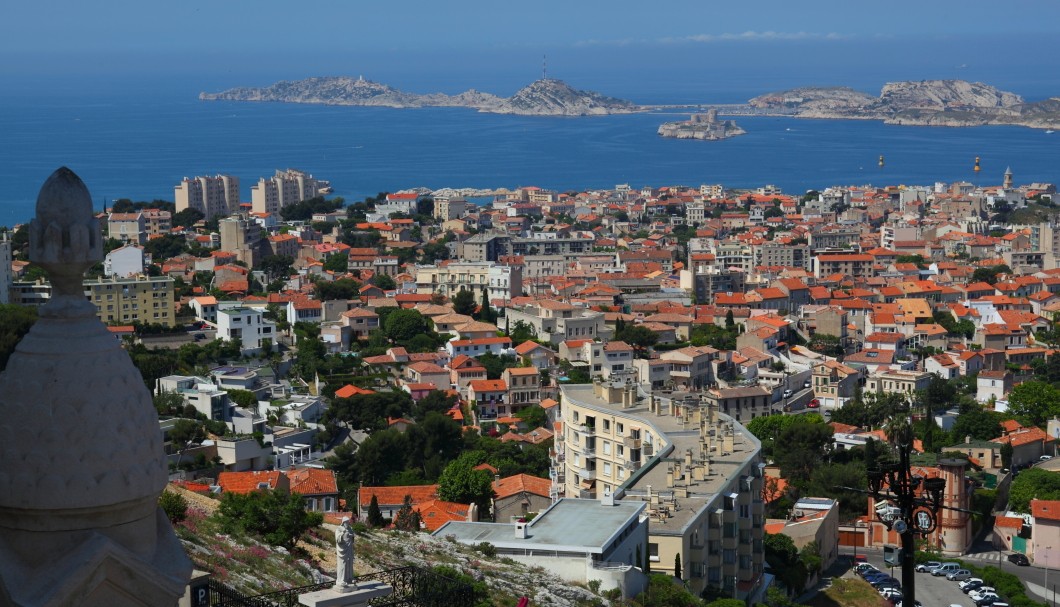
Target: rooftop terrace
[700,469]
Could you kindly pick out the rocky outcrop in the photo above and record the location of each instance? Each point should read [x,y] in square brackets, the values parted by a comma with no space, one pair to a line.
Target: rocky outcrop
[541,98]
[925,102]
[557,98]
[701,126]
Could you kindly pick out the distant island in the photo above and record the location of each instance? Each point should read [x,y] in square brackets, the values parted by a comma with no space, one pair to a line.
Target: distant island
[927,103]
[701,126]
[546,97]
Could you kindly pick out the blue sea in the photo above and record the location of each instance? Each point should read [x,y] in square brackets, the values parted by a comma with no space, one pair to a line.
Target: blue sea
[139,141]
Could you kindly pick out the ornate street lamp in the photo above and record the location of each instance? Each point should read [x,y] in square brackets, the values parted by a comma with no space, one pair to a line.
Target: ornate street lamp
[907,504]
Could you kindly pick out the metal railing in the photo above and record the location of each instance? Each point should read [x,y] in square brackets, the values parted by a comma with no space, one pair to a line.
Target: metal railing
[413,587]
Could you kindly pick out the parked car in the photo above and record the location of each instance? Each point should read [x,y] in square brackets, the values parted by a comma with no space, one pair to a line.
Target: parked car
[988,599]
[959,575]
[814,404]
[915,604]
[1019,559]
[1045,458]
[970,584]
[945,569]
[975,595]
[893,594]
[806,384]
[863,568]
[927,567]
[788,393]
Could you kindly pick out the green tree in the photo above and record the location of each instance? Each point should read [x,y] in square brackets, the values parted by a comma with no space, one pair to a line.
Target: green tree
[727,603]
[403,325]
[15,322]
[1006,455]
[278,517]
[783,559]
[1033,483]
[339,262]
[976,423]
[677,566]
[243,398]
[533,416]
[407,519]
[384,282]
[1034,402]
[277,266]
[805,444]
[174,505]
[662,591]
[187,218]
[375,516]
[521,332]
[464,302]
[495,365]
[639,337]
[461,483]
[330,290]
[730,320]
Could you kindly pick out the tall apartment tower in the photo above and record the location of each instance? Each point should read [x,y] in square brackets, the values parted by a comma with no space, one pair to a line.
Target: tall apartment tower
[212,196]
[242,236]
[5,269]
[283,189]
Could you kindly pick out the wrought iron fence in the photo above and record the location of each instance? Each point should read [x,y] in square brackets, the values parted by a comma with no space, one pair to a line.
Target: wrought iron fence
[413,587]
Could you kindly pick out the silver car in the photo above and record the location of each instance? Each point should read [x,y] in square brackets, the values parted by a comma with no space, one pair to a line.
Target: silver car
[959,575]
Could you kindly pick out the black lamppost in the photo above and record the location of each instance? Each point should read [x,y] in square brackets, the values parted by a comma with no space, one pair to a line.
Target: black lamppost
[894,488]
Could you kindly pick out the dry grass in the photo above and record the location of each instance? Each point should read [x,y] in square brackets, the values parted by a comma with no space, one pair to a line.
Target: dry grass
[849,593]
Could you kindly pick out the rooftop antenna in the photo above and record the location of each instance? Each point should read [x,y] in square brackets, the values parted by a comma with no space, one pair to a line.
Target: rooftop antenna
[544,67]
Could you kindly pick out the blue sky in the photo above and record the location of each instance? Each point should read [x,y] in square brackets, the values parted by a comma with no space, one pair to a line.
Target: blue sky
[229,42]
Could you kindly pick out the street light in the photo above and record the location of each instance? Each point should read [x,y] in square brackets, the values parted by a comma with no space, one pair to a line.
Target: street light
[906,504]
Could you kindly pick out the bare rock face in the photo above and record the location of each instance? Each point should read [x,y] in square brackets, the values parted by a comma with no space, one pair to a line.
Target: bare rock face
[944,94]
[557,98]
[541,98]
[926,103]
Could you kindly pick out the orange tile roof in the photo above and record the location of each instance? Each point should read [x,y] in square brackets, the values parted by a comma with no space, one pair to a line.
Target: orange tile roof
[1046,509]
[245,482]
[435,513]
[349,390]
[312,481]
[1012,522]
[396,495]
[521,483]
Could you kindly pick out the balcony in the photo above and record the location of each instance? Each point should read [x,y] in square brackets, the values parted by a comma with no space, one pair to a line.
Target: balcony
[586,430]
[587,474]
[631,465]
[647,450]
[586,494]
[631,443]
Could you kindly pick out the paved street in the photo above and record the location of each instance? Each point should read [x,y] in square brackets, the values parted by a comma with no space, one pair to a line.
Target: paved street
[1034,578]
[930,590]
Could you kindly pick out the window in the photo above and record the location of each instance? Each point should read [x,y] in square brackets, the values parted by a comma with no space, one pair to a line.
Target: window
[607,425]
[607,447]
[653,552]
[607,468]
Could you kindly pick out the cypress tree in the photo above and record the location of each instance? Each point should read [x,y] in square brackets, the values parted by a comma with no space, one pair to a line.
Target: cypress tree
[677,565]
[375,516]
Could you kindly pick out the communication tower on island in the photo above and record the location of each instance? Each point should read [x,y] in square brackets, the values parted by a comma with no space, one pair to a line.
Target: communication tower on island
[544,67]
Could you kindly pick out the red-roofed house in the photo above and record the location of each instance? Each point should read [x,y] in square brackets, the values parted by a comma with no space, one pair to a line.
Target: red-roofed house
[258,480]
[489,397]
[319,487]
[390,499]
[519,495]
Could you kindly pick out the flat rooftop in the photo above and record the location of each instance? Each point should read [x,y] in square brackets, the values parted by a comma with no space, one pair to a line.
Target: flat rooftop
[677,512]
[575,525]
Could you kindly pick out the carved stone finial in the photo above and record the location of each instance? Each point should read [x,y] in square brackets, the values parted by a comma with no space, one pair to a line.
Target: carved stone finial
[65,238]
[81,459]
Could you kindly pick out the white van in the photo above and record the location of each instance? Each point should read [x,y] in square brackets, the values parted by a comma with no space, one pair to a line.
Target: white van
[945,568]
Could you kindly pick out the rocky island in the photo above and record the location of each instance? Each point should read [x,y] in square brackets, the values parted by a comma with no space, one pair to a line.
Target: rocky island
[926,103]
[701,126]
[546,97]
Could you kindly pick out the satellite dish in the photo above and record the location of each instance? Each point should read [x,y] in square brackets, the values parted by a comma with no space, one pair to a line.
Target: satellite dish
[900,526]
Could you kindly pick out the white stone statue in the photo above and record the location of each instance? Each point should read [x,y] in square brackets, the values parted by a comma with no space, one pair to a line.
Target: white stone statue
[344,540]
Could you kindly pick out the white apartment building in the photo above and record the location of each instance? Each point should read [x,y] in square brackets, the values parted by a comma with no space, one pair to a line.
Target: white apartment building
[199,392]
[558,321]
[124,262]
[500,281]
[698,471]
[247,325]
[211,196]
[284,188]
[127,227]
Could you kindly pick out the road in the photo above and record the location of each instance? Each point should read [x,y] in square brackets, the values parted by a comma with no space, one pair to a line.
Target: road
[1033,577]
[930,590]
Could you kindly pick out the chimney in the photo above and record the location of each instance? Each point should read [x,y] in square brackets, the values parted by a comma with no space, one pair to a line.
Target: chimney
[670,479]
[699,472]
[688,457]
[607,498]
[967,438]
[521,531]
[728,443]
